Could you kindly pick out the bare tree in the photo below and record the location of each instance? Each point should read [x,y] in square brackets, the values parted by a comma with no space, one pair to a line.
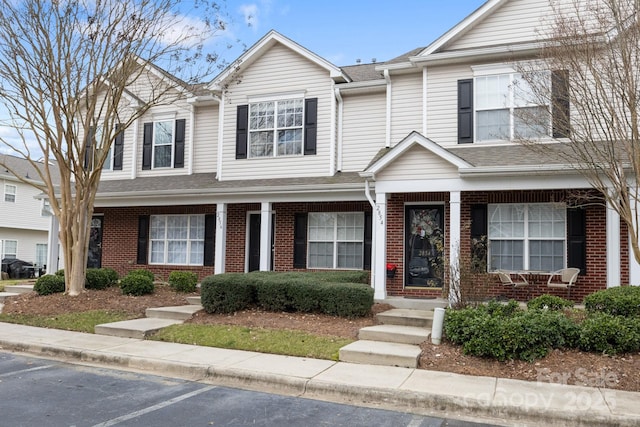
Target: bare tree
[592,48]
[68,71]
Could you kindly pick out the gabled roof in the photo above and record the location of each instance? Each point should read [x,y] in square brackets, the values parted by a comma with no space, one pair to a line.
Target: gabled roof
[387,156]
[262,46]
[26,169]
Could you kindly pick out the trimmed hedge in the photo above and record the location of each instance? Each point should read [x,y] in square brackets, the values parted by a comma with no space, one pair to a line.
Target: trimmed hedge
[183,281]
[112,275]
[328,292]
[618,301]
[143,272]
[605,333]
[49,284]
[136,283]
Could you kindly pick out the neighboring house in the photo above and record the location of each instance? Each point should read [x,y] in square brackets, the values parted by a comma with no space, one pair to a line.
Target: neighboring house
[25,217]
[288,162]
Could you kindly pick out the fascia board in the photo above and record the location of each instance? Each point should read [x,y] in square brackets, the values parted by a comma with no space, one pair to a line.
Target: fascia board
[486,52]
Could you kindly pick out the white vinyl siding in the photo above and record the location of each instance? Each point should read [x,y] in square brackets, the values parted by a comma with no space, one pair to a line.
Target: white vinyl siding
[417,164]
[406,105]
[279,71]
[442,102]
[363,131]
[515,21]
[25,212]
[205,150]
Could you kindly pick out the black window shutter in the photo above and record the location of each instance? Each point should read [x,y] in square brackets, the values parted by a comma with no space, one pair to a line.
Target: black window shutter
[242,131]
[368,232]
[118,149]
[147,145]
[479,242]
[178,159]
[577,239]
[209,239]
[300,241]
[465,111]
[560,107]
[143,239]
[310,125]
[88,149]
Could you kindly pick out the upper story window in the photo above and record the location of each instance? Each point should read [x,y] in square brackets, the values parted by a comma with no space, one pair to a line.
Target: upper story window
[113,160]
[506,110]
[527,236]
[10,191]
[499,105]
[163,144]
[284,126]
[275,128]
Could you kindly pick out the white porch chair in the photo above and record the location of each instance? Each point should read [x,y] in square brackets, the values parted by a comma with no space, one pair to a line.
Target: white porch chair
[564,279]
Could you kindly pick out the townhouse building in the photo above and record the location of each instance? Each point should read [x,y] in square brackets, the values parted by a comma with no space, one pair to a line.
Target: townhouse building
[286,161]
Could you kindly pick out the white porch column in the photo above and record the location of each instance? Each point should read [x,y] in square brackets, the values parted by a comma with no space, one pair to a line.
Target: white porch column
[613,247]
[634,267]
[265,236]
[53,245]
[379,248]
[221,238]
[454,245]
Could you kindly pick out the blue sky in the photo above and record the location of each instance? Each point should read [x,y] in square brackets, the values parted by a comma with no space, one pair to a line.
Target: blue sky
[346,30]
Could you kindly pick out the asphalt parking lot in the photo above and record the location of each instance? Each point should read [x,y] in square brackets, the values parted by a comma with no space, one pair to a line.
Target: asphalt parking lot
[41,392]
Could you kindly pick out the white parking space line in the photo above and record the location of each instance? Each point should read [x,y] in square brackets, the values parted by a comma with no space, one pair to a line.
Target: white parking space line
[161,405]
[415,422]
[24,371]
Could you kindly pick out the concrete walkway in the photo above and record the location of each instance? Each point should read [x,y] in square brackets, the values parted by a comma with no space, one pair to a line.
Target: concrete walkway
[495,400]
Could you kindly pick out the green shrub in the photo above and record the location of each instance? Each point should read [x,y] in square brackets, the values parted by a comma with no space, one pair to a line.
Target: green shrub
[549,302]
[137,284]
[143,272]
[622,301]
[111,275]
[96,278]
[49,284]
[183,281]
[305,297]
[227,293]
[60,272]
[605,333]
[346,299]
[272,294]
[507,333]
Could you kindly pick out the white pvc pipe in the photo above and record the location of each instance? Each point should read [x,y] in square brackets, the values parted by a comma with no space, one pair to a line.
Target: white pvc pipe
[436,329]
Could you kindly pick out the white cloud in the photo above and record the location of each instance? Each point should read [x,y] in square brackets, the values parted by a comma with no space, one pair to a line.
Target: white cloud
[250,14]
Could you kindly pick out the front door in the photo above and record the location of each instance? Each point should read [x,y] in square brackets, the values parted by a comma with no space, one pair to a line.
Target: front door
[253,248]
[424,246]
[94,259]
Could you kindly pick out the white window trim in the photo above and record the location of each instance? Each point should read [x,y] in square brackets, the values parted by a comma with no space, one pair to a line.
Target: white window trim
[165,255]
[335,242]
[526,239]
[277,96]
[275,128]
[13,193]
[496,70]
[3,248]
[172,143]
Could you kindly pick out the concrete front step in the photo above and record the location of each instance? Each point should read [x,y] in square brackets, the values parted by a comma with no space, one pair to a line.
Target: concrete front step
[136,328]
[19,289]
[195,300]
[406,317]
[4,295]
[180,312]
[395,333]
[381,353]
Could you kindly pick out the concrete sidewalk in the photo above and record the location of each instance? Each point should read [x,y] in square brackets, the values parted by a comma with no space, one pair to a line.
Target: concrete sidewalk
[494,400]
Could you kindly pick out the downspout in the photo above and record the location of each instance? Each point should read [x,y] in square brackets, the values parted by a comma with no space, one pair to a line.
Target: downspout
[332,130]
[388,124]
[192,126]
[134,152]
[424,101]
[367,193]
[220,136]
[340,127]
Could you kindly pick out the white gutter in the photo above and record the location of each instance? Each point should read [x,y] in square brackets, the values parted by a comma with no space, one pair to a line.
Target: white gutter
[514,169]
[340,127]
[388,124]
[368,195]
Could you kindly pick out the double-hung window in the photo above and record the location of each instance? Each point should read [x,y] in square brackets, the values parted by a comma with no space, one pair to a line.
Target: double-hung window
[336,240]
[177,239]
[276,128]
[9,249]
[10,191]
[162,143]
[507,108]
[527,236]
